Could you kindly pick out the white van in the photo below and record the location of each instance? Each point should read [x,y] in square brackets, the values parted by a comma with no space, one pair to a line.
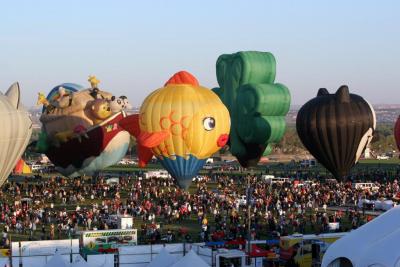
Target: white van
[207,166]
[267,177]
[209,161]
[278,180]
[363,186]
[309,182]
[384,157]
[36,167]
[242,200]
[159,174]
[112,180]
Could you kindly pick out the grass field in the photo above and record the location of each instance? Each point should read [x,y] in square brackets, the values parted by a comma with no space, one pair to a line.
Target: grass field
[391,166]
[394,161]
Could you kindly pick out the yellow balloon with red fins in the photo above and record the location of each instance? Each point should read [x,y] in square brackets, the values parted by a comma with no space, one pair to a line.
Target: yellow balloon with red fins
[182,124]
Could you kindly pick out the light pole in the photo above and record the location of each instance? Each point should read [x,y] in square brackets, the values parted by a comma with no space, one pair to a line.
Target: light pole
[248,197]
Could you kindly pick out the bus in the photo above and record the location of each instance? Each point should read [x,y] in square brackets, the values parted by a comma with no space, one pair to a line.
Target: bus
[298,247]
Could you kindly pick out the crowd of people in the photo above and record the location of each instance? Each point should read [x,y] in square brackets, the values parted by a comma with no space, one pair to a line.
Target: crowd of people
[217,207]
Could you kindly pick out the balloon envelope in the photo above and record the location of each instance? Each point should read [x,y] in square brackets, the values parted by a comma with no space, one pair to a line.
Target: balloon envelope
[80,133]
[397,132]
[183,124]
[336,128]
[256,104]
[16,130]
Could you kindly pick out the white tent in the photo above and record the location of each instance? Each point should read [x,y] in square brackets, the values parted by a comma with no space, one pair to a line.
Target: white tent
[107,261]
[191,259]
[79,262]
[101,260]
[163,259]
[372,243]
[56,261]
[385,252]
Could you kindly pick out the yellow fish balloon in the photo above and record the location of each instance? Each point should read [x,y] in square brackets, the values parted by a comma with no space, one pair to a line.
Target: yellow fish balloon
[182,124]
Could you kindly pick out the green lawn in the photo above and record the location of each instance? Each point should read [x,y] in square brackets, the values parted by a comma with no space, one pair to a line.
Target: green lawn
[279,168]
[394,161]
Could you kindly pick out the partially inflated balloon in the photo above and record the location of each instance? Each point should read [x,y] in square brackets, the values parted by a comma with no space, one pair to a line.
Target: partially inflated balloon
[256,104]
[183,124]
[81,133]
[397,132]
[336,128]
[16,130]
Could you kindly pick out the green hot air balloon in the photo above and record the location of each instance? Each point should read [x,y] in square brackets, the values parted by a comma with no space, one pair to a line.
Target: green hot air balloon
[256,104]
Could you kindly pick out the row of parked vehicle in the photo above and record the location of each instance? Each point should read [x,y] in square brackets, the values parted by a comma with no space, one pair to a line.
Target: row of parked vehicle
[127,162]
[39,168]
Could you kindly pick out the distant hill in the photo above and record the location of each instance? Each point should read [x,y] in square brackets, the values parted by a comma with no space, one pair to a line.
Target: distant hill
[385,113]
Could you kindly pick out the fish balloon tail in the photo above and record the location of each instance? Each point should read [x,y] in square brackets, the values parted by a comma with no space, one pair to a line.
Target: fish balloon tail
[145,141]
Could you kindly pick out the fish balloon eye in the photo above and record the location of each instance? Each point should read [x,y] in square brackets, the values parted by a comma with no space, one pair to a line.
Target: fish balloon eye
[209,123]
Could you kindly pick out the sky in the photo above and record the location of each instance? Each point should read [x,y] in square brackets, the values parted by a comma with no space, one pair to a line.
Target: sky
[133,47]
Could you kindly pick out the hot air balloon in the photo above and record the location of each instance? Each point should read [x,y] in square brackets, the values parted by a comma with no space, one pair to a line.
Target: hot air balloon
[182,124]
[397,132]
[336,128]
[80,131]
[256,104]
[16,130]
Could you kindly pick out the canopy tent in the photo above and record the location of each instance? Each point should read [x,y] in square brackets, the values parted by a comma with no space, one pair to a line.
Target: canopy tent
[163,259]
[56,261]
[372,243]
[22,167]
[191,259]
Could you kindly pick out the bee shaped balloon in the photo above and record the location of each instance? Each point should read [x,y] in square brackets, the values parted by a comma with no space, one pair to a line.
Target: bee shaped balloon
[182,124]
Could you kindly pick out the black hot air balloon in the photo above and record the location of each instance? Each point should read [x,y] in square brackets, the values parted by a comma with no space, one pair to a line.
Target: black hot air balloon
[397,132]
[336,128]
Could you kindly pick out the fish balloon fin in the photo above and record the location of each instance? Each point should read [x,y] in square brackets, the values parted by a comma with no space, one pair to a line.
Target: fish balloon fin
[144,154]
[151,140]
[145,141]
[131,124]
